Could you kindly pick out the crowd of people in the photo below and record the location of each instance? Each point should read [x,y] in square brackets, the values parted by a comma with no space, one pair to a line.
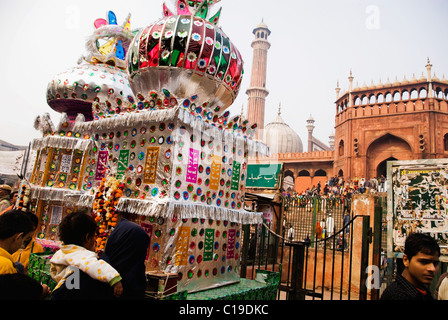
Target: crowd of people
[338,186]
[79,273]
[119,273]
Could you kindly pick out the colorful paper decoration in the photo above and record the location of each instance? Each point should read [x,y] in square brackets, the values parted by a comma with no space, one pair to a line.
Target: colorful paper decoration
[112,17]
[98,23]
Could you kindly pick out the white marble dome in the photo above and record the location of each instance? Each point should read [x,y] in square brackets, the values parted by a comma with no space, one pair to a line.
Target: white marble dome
[281,138]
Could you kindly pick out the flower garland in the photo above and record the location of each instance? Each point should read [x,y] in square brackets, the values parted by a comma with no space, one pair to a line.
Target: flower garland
[23,196]
[104,209]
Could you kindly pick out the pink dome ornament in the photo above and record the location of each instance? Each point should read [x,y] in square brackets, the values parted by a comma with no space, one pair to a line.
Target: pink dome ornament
[94,90]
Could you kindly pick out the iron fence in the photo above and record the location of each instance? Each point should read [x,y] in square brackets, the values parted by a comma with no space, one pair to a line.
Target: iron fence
[303,214]
[313,265]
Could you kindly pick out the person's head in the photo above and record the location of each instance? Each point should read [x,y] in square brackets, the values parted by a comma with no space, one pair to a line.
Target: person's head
[78,228]
[16,228]
[5,189]
[13,196]
[420,259]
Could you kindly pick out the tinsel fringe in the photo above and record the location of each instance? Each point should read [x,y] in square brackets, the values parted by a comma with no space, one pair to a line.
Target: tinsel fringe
[138,119]
[52,194]
[79,200]
[61,142]
[126,120]
[167,208]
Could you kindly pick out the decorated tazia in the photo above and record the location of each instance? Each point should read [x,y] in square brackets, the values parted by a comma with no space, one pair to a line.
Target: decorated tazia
[153,141]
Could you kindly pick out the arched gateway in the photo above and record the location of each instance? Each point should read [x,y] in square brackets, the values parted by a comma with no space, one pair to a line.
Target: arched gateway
[386,148]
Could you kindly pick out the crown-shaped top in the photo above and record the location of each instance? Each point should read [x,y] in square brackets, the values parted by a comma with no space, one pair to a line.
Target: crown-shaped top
[110,41]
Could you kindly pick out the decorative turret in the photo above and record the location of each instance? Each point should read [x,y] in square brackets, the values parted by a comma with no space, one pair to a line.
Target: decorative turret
[257,91]
[428,68]
[310,127]
[338,90]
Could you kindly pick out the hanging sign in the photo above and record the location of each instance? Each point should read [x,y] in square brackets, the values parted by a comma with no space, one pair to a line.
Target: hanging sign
[123,161]
[181,256]
[208,244]
[152,158]
[215,172]
[192,167]
[101,165]
[231,244]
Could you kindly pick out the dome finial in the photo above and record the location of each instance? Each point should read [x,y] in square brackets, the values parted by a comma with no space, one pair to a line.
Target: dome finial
[279,108]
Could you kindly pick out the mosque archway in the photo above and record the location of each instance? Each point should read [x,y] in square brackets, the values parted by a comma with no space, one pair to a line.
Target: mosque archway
[288,182]
[386,147]
[381,169]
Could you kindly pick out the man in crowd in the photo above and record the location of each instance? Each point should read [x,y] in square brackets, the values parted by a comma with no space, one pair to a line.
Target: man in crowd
[420,259]
[5,200]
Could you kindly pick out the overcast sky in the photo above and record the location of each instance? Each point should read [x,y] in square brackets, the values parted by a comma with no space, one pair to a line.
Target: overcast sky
[314,44]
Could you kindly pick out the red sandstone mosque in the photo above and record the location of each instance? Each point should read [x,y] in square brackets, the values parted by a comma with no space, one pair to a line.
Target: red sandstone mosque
[399,120]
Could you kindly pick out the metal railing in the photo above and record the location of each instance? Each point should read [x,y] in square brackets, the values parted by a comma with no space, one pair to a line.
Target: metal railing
[313,266]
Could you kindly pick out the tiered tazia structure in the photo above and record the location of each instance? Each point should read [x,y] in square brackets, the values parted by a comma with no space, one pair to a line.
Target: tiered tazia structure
[145,132]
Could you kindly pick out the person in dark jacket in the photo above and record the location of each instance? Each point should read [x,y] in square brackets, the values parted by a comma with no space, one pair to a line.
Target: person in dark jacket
[126,251]
[421,260]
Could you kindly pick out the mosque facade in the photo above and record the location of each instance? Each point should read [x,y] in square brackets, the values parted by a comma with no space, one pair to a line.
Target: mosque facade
[376,123]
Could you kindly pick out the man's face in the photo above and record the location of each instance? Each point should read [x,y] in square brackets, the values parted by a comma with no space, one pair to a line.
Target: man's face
[20,240]
[421,268]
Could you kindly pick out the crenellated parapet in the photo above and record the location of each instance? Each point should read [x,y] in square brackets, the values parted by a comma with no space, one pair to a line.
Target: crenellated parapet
[417,94]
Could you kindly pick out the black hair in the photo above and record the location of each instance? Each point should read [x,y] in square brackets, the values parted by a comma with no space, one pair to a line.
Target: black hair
[33,218]
[13,222]
[11,195]
[420,242]
[75,226]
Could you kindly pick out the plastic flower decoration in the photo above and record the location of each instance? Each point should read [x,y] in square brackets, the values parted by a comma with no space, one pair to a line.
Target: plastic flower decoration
[105,202]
